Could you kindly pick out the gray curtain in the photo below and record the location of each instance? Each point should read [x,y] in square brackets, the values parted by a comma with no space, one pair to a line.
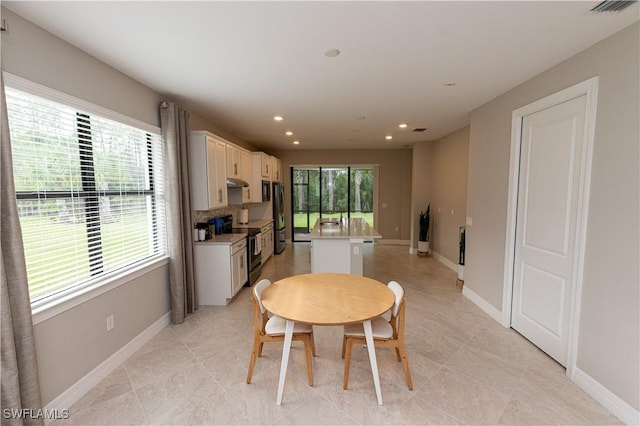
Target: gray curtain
[174,123]
[20,384]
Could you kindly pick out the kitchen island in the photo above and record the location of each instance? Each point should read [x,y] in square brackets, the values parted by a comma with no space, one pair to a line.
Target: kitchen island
[336,244]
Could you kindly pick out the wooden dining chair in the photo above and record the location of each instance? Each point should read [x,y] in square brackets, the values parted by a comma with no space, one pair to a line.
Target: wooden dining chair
[270,328]
[388,330]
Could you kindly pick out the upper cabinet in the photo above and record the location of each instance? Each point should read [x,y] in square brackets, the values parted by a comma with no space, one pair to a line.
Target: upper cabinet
[207,158]
[276,172]
[265,165]
[234,161]
[247,168]
[213,160]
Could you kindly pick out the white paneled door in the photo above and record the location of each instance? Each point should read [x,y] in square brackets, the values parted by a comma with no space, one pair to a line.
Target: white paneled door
[552,145]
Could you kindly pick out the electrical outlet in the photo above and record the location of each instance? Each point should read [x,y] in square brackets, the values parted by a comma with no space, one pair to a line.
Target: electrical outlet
[110,323]
[397,229]
[356,250]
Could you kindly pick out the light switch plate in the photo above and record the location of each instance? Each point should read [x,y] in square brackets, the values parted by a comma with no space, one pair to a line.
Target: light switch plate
[469,221]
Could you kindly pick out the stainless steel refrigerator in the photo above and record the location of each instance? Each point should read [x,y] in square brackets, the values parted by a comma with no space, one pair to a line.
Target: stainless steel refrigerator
[278,217]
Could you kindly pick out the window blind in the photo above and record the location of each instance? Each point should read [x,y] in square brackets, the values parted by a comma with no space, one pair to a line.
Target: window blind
[88,191]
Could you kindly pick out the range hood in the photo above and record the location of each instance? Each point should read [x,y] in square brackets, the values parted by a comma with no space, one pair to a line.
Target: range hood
[236,183]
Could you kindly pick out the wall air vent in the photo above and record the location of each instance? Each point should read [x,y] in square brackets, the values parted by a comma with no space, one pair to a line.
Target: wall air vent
[613,5]
[419,129]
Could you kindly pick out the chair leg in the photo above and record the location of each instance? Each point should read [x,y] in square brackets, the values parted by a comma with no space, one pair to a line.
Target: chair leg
[344,341]
[308,349]
[347,346]
[405,367]
[252,362]
[398,354]
[260,348]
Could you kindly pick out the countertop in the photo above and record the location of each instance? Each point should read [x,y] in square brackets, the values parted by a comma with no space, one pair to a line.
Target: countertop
[223,239]
[347,228]
[253,223]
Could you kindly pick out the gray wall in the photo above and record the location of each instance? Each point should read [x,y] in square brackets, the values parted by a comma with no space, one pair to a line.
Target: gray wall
[394,182]
[609,329]
[74,342]
[448,164]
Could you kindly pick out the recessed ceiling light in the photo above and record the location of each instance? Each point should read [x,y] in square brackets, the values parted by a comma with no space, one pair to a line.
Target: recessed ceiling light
[278,118]
[296,142]
[403,125]
[388,137]
[449,84]
[288,133]
[331,53]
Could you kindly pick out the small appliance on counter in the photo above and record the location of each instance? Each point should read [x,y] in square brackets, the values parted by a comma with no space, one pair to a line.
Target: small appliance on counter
[218,225]
[202,232]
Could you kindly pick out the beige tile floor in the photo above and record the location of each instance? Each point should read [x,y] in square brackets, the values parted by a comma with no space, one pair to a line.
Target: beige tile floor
[466,368]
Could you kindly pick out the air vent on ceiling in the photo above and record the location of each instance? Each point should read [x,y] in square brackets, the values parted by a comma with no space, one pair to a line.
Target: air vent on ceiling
[419,129]
[613,5]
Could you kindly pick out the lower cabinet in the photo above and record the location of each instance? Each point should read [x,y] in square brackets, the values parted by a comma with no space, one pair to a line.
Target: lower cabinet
[239,268]
[220,271]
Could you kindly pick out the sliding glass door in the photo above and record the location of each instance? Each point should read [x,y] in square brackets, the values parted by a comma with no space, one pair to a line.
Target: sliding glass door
[330,192]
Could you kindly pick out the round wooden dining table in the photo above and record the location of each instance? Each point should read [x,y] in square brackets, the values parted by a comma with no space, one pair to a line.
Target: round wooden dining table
[328,299]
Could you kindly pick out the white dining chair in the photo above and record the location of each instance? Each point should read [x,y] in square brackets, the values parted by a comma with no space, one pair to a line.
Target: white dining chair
[270,328]
[388,330]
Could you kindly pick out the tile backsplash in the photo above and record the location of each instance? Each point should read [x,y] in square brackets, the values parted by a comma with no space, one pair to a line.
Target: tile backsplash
[256,211]
[205,215]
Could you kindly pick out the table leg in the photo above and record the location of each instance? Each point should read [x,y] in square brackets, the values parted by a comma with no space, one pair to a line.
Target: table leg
[288,335]
[368,334]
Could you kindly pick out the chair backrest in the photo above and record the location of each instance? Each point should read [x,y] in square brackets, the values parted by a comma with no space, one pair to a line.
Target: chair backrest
[398,291]
[257,292]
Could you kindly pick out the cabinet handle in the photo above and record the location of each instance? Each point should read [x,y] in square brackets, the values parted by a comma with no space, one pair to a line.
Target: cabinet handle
[242,262]
[249,193]
[267,169]
[219,195]
[235,169]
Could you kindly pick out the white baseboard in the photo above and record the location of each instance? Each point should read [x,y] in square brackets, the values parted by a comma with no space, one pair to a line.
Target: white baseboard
[487,307]
[608,399]
[392,242]
[449,264]
[80,388]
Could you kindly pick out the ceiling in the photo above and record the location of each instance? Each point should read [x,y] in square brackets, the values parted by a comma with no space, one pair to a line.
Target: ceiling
[239,64]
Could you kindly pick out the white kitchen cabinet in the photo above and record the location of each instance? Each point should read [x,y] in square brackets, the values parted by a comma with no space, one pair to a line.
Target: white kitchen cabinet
[240,270]
[246,166]
[221,270]
[267,242]
[207,163]
[262,162]
[258,171]
[247,176]
[276,172]
[234,162]
[239,196]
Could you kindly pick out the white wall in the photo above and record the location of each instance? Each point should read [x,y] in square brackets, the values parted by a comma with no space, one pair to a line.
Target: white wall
[609,334]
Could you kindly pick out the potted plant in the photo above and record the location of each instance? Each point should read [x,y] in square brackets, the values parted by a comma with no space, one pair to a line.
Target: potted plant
[423,239]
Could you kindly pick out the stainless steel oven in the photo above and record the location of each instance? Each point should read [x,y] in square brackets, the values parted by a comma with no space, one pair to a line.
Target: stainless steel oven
[253,254]
[224,225]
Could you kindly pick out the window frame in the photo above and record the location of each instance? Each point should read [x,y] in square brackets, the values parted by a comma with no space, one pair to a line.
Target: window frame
[66,298]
